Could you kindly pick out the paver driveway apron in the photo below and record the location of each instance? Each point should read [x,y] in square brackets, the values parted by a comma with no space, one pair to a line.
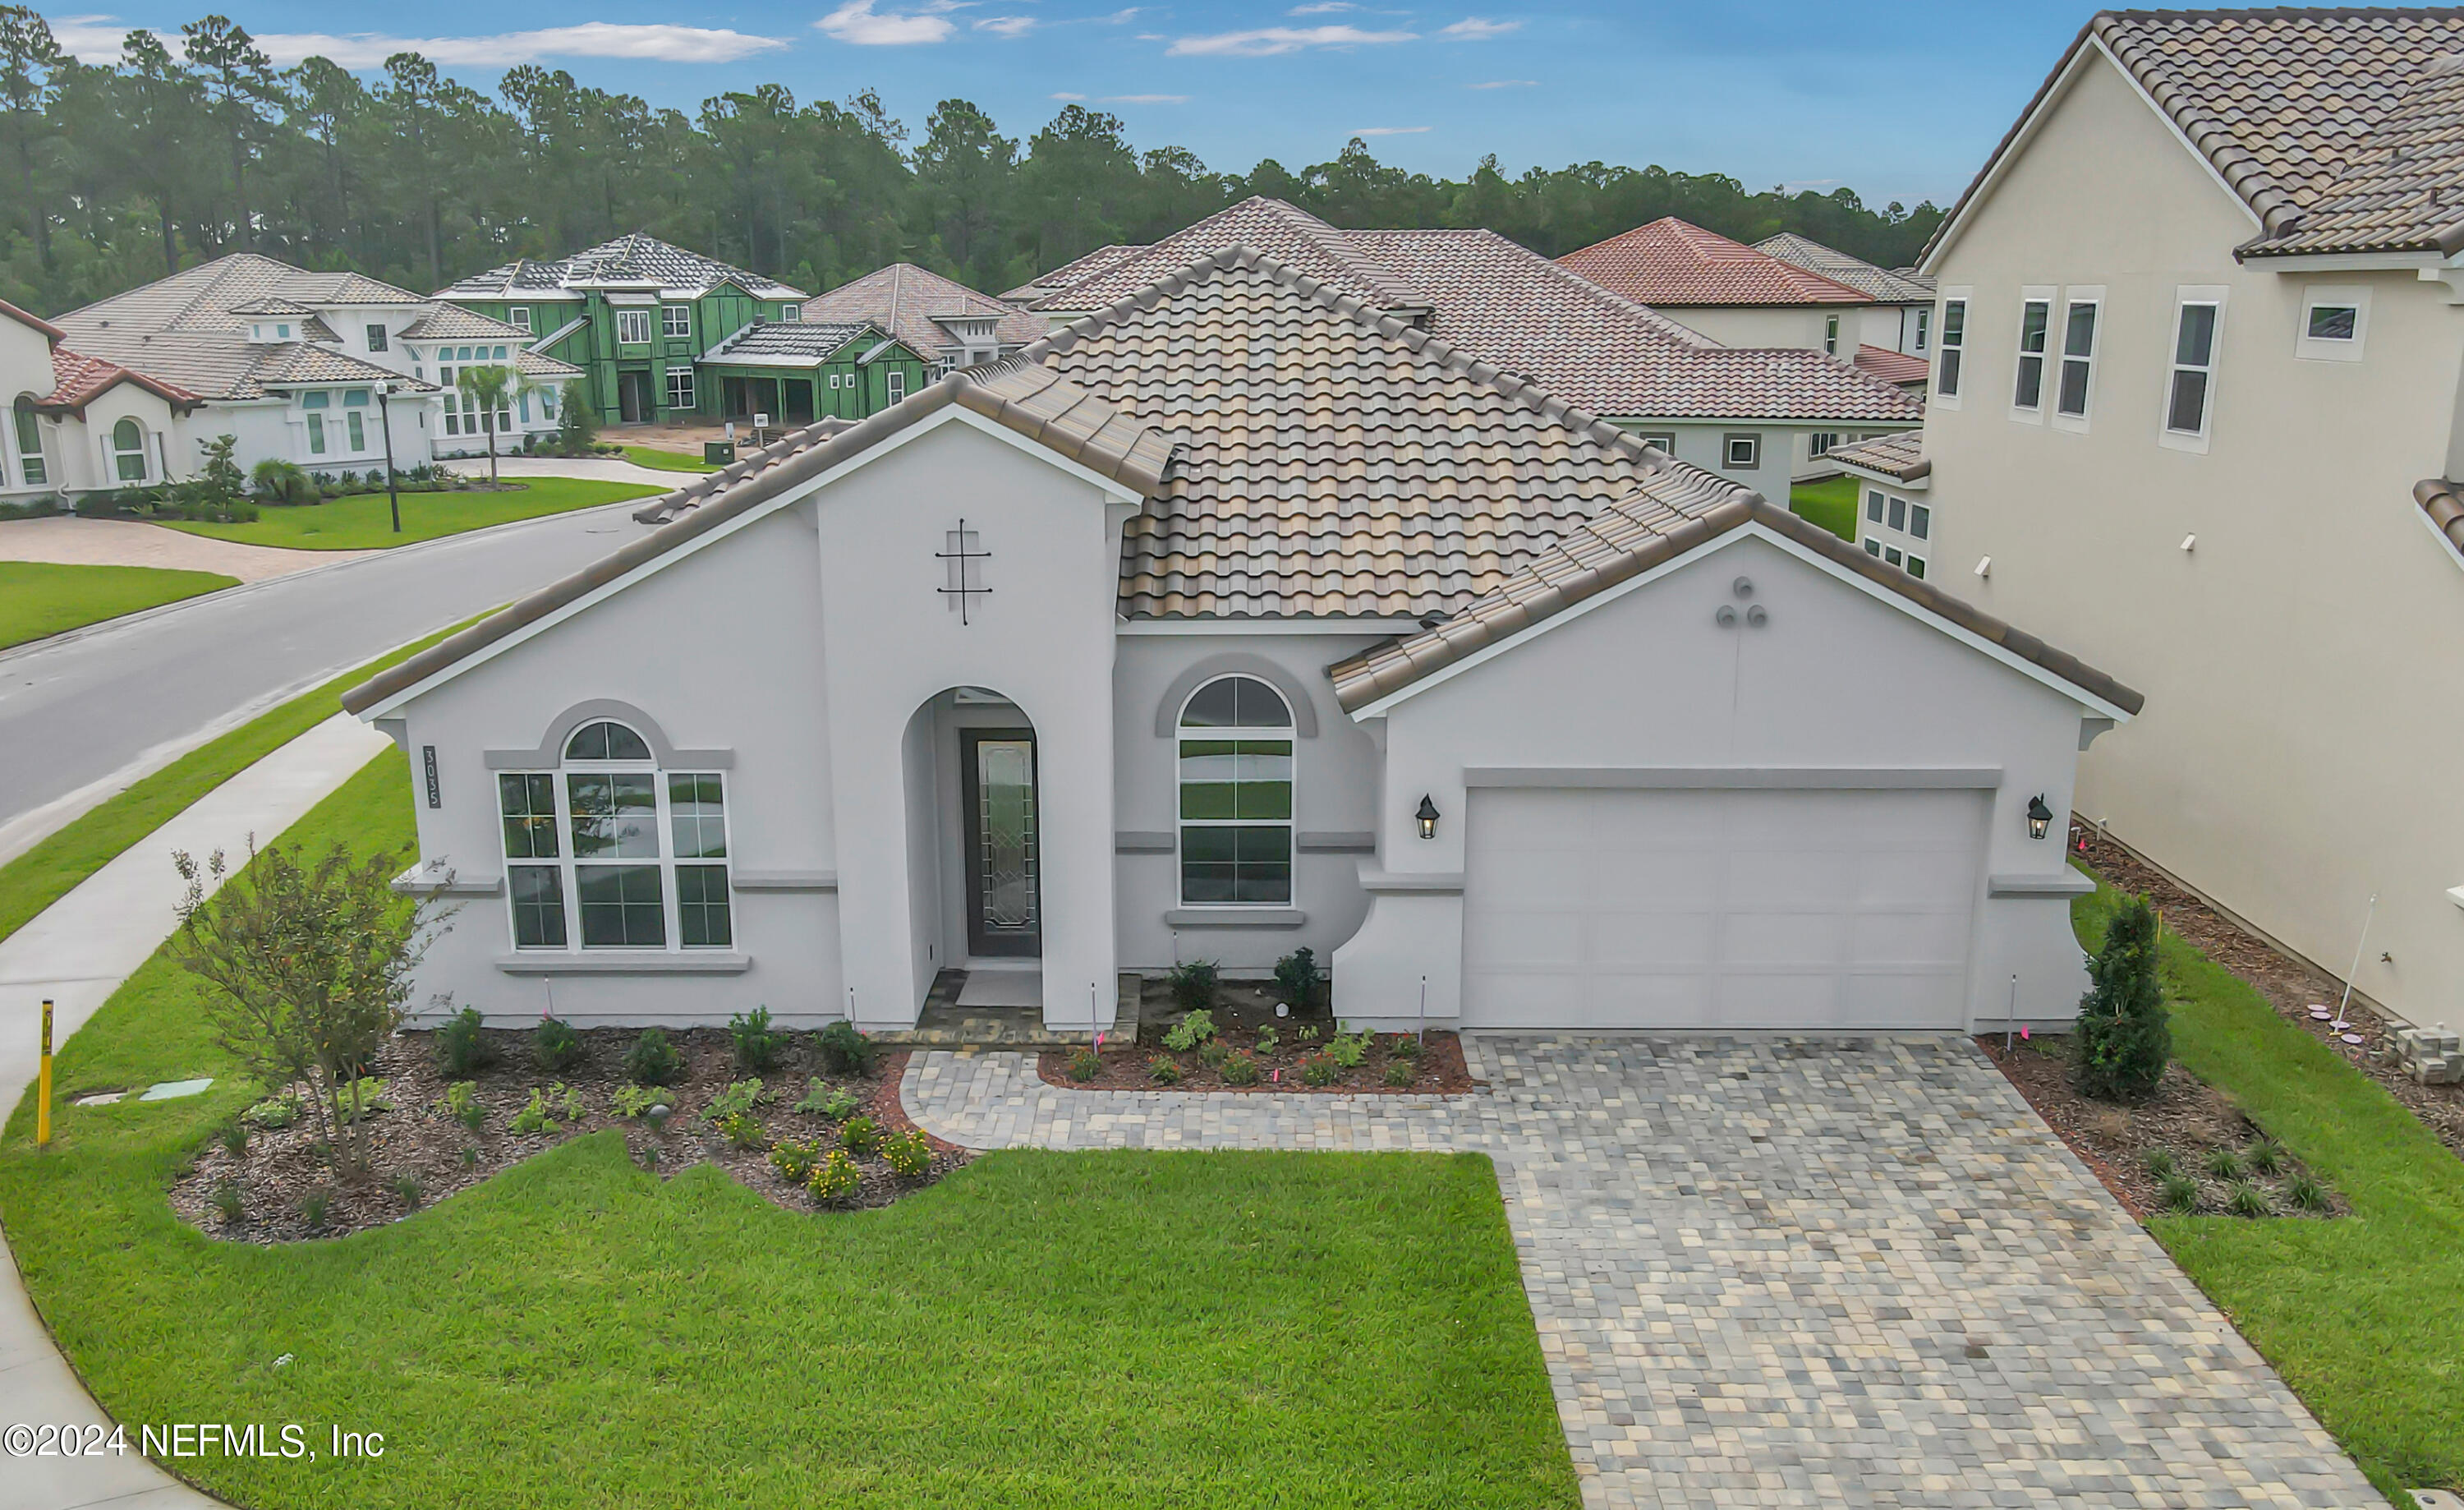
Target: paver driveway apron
[1785,1272]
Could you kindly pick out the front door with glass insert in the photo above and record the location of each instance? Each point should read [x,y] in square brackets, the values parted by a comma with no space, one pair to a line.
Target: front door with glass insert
[1004,900]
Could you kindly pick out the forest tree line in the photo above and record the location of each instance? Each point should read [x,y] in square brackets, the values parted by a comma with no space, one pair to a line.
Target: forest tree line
[174,154]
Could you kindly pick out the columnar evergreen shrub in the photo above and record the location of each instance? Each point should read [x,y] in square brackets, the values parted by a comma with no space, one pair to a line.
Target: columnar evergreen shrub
[2123,1039]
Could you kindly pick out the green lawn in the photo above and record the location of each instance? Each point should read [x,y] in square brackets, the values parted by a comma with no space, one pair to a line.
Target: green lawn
[46,873]
[1163,1330]
[363,521]
[1831,503]
[2358,1314]
[666,460]
[38,598]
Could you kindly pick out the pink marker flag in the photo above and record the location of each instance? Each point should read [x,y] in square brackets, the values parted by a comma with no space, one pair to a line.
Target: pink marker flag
[2023,1031]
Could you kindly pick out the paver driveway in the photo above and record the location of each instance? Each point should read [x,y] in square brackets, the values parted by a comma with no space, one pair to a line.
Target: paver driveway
[1790,1272]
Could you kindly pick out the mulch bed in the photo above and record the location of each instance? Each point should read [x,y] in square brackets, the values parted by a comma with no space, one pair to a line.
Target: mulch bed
[1240,1013]
[2187,1118]
[417,1155]
[2288,985]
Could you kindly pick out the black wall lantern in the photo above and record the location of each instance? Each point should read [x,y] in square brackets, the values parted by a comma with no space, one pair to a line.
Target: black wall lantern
[2039,816]
[1428,817]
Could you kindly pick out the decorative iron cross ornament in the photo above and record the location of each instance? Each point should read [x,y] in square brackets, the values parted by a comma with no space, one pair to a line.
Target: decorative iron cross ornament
[963,552]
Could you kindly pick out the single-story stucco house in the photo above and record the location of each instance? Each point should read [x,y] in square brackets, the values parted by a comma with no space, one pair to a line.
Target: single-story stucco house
[1237,616]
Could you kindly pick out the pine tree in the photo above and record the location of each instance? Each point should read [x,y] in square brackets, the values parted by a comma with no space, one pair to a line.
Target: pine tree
[2124,1040]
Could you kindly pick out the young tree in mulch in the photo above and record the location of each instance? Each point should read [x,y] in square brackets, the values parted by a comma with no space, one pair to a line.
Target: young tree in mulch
[307,963]
[2123,1039]
[577,422]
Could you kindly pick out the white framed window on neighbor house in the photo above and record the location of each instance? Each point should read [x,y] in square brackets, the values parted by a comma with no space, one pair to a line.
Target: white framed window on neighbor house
[609,852]
[1664,439]
[1820,442]
[632,327]
[27,436]
[1954,352]
[680,387]
[895,380]
[675,319]
[1235,782]
[316,405]
[2074,382]
[791,314]
[128,461]
[2028,380]
[355,418]
[1925,325]
[2190,383]
[1742,452]
[1831,335]
[2335,322]
[1898,529]
[376,338]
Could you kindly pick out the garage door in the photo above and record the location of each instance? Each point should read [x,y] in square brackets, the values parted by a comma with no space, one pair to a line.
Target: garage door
[1710,909]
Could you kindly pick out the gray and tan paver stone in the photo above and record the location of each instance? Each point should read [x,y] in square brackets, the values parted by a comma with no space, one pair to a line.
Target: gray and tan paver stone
[1789,1272]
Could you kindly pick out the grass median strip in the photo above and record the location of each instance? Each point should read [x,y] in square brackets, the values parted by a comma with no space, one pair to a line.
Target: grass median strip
[2356,1314]
[1039,1329]
[666,460]
[365,521]
[40,598]
[54,867]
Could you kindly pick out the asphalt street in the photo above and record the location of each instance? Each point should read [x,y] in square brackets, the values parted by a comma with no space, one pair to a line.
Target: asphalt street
[83,714]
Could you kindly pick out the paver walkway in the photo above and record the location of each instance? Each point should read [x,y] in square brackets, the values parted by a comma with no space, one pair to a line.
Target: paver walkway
[74,542]
[1789,1271]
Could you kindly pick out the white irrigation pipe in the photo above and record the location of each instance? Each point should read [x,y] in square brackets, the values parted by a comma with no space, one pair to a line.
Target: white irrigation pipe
[2340,1024]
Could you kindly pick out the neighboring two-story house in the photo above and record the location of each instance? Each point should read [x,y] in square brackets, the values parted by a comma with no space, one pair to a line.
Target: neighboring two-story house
[795,374]
[635,314]
[1749,415]
[1904,292]
[2196,414]
[947,323]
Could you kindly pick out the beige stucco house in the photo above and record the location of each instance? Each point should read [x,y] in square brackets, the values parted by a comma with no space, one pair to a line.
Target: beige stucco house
[2195,404]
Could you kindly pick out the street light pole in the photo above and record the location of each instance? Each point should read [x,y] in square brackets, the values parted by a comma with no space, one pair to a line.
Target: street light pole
[384,419]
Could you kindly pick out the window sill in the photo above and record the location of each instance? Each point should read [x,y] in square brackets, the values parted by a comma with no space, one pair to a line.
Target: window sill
[626,962]
[1235,918]
[2061,884]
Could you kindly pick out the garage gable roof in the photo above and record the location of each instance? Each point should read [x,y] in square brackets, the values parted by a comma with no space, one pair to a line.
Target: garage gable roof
[1636,535]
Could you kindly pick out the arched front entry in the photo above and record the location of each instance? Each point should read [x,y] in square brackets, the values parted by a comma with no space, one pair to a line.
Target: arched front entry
[974,846]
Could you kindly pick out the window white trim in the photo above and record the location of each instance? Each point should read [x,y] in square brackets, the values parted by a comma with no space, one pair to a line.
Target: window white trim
[675,321]
[1831,335]
[1288,733]
[632,327]
[2031,297]
[2185,297]
[568,867]
[680,387]
[522,318]
[1950,348]
[2353,296]
[1664,439]
[1741,449]
[2073,369]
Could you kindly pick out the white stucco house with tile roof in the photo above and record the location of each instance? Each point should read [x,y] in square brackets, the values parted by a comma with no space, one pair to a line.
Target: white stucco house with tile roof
[1759,417]
[2197,414]
[1241,615]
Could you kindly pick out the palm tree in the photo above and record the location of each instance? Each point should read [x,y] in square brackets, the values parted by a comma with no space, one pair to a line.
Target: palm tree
[490,388]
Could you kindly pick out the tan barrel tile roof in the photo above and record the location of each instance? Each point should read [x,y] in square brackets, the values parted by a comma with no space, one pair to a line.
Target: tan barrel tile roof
[1899,369]
[1673,264]
[1900,456]
[1286,232]
[1886,284]
[903,300]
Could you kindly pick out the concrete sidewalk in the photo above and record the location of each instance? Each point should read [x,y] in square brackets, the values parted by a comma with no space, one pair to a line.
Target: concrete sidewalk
[602,469]
[66,540]
[77,952]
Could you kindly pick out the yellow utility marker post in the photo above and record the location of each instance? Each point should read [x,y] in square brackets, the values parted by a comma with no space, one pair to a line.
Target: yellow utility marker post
[43,1084]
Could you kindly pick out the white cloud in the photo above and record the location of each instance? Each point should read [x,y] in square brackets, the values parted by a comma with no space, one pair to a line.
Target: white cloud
[95,39]
[1268,41]
[1144,100]
[1391,130]
[1474,29]
[856,23]
[1322,8]
[1006,25]
[1067,95]
[1504,83]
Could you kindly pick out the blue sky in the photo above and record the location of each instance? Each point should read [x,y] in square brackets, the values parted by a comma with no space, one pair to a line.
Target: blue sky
[1899,103]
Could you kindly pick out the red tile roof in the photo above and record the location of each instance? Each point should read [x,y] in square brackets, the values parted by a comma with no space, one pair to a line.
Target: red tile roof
[1671,263]
[78,380]
[1896,367]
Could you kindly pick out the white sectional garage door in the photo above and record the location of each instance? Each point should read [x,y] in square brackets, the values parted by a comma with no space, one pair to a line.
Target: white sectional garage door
[1715,909]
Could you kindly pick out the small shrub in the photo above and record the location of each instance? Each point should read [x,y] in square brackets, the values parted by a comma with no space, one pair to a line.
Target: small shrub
[2221,1164]
[908,1155]
[829,1102]
[313,1206]
[653,1060]
[461,1046]
[738,1098]
[566,1103]
[834,1178]
[633,1102]
[405,1189]
[1195,983]
[2123,1039]
[1193,1029]
[462,1104]
[1400,1072]
[273,1112]
[2265,1155]
[1240,1069]
[1268,1040]
[2249,1200]
[1164,1070]
[1309,1032]
[1298,980]
[860,1135]
[363,1098]
[2181,1195]
[742,1130]
[1212,1052]
[1320,1069]
[795,1158]
[556,1045]
[1348,1049]
[1403,1046]
[1085,1064]
[757,1047]
[227,1202]
[2161,1163]
[845,1051]
[534,1116]
[2306,1193]
[232,1135]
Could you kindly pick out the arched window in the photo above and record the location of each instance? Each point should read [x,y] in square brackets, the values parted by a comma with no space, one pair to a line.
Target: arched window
[129,449]
[615,852]
[1235,796]
[27,432]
